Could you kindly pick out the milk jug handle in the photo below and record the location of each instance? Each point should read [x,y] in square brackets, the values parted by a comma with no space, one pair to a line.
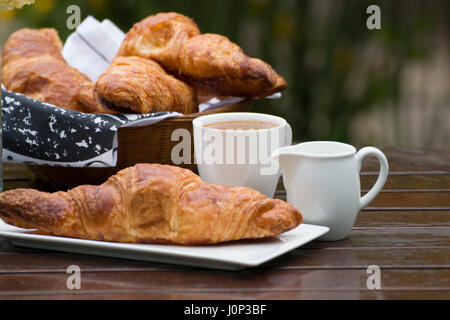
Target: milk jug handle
[382,176]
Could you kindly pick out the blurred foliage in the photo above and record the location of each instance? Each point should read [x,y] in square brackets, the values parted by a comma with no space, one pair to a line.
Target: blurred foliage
[335,67]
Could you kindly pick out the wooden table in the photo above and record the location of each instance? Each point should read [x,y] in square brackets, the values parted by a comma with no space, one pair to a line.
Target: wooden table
[405,231]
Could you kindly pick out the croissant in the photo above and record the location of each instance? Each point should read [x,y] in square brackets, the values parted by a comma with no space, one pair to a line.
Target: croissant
[141,86]
[151,203]
[89,96]
[32,64]
[208,60]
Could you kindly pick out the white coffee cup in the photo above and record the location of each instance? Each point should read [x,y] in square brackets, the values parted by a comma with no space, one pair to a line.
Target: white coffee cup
[240,157]
[321,179]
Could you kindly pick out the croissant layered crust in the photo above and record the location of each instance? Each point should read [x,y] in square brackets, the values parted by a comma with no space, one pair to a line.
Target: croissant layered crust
[27,43]
[151,203]
[143,86]
[88,96]
[206,60]
[32,64]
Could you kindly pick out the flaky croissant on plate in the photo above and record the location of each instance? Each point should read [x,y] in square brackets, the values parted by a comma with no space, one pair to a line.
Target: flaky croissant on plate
[205,60]
[32,64]
[151,203]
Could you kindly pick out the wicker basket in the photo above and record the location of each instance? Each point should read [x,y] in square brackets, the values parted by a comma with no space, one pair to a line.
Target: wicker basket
[149,144]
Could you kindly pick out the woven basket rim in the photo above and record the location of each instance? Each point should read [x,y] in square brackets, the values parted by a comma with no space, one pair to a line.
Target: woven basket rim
[226,108]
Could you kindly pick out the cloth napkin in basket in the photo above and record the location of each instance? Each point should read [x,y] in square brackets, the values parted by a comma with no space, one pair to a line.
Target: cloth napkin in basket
[93,46]
[39,133]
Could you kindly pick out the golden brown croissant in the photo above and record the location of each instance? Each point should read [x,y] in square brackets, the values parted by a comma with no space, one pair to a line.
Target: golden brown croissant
[142,86]
[32,64]
[151,203]
[27,43]
[208,60]
[89,96]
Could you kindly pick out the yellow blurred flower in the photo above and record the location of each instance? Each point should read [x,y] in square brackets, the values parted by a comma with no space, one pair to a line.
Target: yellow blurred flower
[7,15]
[6,5]
[45,6]
[98,5]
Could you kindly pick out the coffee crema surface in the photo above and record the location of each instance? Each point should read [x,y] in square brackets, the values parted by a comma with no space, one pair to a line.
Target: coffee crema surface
[241,125]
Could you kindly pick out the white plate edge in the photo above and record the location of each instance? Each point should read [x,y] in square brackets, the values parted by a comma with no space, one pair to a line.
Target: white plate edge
[95,244]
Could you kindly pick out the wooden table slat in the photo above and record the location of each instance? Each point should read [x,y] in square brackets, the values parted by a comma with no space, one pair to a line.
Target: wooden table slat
[390,237]
[405,199]
[256,294]
[358,258]
[184,281]
[386,219]
[410,182]
[428,158]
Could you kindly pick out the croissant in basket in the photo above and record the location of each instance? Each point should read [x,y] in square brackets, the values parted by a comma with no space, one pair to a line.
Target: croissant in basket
[137,85]
[151,203]
[211,61]
[32,64]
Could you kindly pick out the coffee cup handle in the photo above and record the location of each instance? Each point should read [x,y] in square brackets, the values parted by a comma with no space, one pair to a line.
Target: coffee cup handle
[382,176]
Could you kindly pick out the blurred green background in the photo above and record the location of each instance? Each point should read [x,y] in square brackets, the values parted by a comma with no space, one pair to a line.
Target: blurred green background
[345,82]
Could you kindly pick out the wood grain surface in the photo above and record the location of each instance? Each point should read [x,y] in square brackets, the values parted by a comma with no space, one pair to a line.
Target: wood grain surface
[405,231]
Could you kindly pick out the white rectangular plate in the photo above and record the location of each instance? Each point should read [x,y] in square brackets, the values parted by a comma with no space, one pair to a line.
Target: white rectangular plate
[228,256]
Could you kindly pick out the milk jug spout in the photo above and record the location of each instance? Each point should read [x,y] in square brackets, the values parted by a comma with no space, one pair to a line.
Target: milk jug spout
[288,159]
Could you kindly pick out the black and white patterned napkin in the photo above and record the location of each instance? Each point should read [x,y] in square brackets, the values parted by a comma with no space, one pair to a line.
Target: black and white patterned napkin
[42,134]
